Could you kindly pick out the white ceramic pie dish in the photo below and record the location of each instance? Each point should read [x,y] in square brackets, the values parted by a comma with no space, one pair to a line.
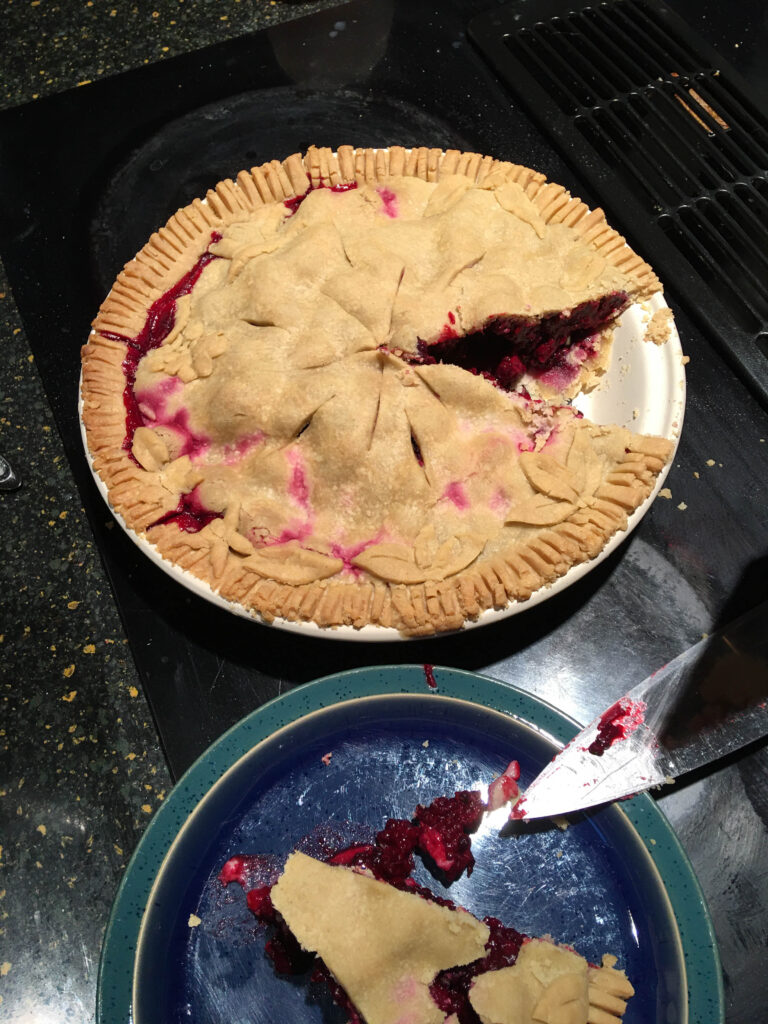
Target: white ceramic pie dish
[643,390]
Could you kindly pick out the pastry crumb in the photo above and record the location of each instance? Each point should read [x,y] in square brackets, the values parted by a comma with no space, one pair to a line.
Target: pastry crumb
[682,506]
[425,744]
[194,921]
[711,462]
[659,326]
[685,360]
[326,758]
[653,842]
[665,493]
[561,822]
[558,854]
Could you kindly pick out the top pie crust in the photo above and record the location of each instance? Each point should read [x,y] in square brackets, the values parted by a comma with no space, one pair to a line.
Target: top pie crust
[329,472]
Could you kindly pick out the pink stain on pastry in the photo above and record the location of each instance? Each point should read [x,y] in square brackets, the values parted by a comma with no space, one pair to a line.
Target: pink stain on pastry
[295,530]
[298,488]
[152,405]
[389,202]
[159,323]
[347,553]
[455,493]
[233,453]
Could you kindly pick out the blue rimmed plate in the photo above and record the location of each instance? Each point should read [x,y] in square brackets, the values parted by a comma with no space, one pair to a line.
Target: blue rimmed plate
[180,947]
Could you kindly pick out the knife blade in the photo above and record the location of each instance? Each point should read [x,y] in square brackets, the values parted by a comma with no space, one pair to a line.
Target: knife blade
[709,701]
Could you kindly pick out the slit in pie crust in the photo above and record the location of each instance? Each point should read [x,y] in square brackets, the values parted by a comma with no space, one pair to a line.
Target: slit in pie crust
[337,389]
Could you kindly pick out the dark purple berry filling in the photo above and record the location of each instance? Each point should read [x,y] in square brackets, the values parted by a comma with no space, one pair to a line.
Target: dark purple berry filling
[510,346]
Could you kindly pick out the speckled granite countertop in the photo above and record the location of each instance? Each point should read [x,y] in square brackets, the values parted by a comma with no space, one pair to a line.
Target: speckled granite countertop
[79,749]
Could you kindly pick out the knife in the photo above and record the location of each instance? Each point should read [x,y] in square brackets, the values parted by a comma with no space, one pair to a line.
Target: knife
[709,701]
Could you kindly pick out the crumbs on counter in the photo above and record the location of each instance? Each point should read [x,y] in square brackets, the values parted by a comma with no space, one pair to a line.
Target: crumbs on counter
[685,360]
[682,506]
[659,326]
[326,758]
[69,697]
[665,493]
[425,744]
[194,921]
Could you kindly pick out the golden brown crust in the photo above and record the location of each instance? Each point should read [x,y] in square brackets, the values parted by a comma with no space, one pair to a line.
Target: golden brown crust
[444,586]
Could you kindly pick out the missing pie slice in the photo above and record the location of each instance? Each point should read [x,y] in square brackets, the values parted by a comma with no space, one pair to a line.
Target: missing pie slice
[336,390]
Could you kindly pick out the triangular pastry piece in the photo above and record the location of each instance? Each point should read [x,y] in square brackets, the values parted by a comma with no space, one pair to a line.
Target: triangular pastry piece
[384,946]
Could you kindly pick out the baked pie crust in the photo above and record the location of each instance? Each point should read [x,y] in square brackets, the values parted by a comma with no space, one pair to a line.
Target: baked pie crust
[335,390]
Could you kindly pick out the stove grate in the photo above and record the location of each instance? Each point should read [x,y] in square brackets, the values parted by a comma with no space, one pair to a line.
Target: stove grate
[666,135]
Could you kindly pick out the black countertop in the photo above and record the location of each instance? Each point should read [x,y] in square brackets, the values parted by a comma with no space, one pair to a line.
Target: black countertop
[83,767]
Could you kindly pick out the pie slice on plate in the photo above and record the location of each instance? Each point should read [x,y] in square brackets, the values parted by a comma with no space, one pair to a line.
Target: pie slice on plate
[385,947]
[337,390]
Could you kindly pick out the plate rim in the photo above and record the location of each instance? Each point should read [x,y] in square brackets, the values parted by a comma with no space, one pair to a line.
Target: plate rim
[706,1002]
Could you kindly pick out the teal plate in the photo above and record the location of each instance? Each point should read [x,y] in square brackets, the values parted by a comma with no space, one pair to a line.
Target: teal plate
[179,947]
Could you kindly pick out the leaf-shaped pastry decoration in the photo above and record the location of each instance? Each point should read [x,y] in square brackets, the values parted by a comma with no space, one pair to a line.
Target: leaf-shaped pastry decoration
[397,563]
[456,554]
[180,476]
[149,449]
[548,476]
[512,198]
[224,537]
[446,194]
[584,466]
[539,511]
[564,999]
[291,563]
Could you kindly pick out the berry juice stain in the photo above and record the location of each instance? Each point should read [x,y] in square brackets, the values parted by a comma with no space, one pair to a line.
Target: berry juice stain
[294,203]
[159,323]
[190,515]
[617,723]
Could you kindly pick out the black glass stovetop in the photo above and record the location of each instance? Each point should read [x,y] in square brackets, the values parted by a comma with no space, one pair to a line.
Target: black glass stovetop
[87,175]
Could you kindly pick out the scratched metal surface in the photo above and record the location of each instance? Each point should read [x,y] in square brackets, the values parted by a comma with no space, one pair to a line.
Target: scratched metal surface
[591,885]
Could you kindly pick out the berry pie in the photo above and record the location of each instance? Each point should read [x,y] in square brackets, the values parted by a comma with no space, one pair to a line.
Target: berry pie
[337,389]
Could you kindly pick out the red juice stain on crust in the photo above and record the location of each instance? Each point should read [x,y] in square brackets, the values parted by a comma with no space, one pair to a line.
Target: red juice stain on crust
[455,493]
[159,323]
[429,676]
[190,515]
[618,722]
[389,201]
[152,403]
[294,203]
